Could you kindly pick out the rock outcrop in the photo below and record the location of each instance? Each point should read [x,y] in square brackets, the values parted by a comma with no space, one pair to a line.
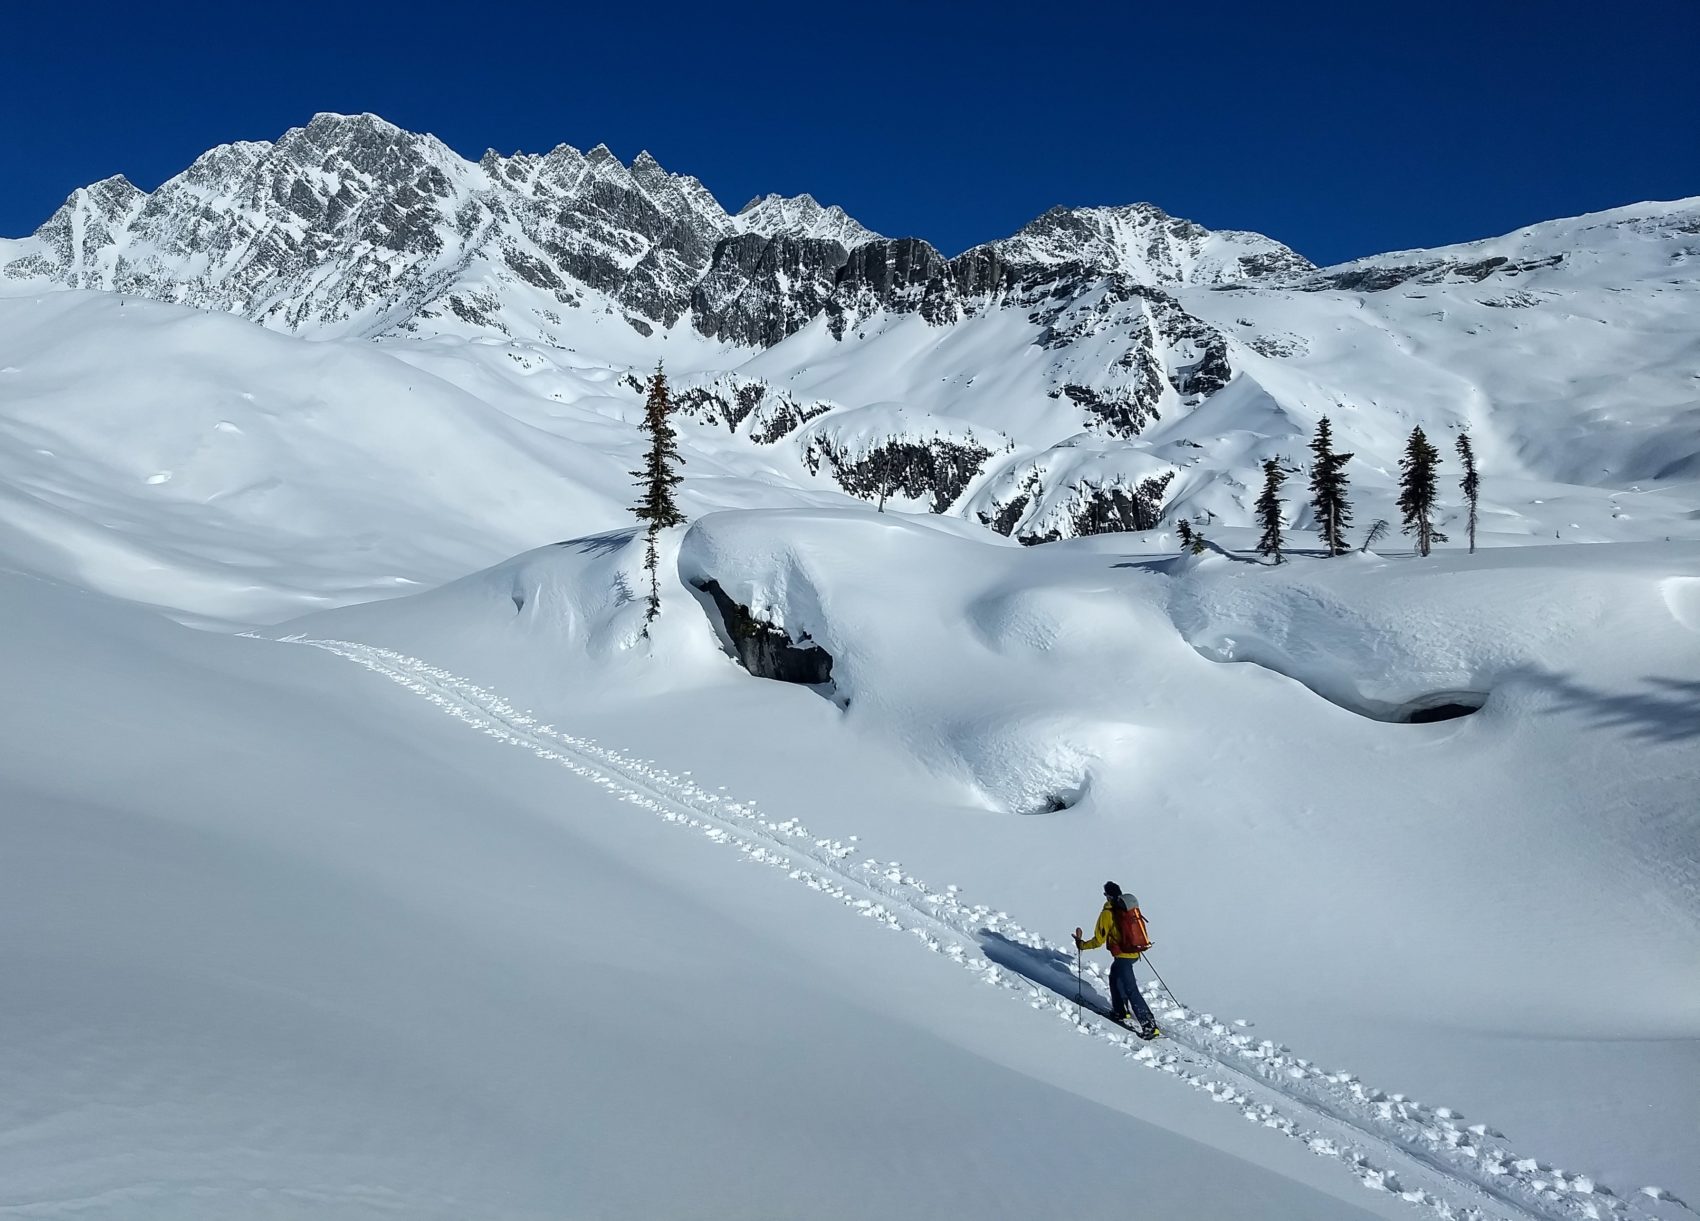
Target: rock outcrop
[764,650]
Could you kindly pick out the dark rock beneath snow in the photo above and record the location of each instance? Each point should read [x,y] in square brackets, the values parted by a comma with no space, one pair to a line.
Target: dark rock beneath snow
[938,469]
[764,650]
[1378,277]
[1104,508]
[1124,414]
[772,412]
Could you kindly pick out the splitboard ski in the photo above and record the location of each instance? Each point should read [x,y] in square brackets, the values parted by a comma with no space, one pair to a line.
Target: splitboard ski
[1127,1024]
[1130,1024]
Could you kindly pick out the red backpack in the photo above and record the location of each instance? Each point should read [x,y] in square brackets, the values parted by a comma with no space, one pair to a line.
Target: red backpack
[1131,935]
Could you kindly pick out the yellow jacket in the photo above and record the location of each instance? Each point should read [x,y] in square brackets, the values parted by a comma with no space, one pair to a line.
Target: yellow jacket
[1106,931]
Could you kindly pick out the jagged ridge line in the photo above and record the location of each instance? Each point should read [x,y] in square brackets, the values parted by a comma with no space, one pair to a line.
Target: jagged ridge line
[1576,1196]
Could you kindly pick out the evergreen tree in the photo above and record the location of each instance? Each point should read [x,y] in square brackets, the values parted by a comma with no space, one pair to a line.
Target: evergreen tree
[657,480]
[1470,483]
[1269,509]
[1376,532]
[1416,491]
[1183,528]
[1328,489]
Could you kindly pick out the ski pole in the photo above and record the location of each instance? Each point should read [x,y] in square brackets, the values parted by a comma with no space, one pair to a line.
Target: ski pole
[1079,978]
[1161,980]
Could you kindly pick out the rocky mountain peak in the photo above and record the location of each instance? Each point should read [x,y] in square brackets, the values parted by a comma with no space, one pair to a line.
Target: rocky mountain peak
[329,125]
[363,144]
[110,198]
[802,216]
[1147,245]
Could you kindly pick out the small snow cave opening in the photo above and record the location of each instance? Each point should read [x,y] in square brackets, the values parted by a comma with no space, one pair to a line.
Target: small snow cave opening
[1427,709]
[1063,793]
[1441,706]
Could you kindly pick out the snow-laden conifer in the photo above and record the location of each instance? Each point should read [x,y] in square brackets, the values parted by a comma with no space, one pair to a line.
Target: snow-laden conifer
[657,480]
[1328,489]
[1470,483]
[1269,509]
[1417,491]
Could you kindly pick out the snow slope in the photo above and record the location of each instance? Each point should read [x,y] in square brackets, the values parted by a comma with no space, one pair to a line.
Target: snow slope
[372,960]
[193,461]
[1433,906]
[282,941]
[285,938]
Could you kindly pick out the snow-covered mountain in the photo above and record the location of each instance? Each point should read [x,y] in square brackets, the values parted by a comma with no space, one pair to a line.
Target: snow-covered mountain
[801,216]
[350,225]
[293,928]
[1115,366]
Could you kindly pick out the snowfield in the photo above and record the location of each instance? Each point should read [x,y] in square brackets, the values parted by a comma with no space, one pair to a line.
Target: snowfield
[441,870]
[362,855]
[1226,732]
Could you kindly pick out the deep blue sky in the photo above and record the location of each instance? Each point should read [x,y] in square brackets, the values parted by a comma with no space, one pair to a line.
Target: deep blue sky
[1340,128]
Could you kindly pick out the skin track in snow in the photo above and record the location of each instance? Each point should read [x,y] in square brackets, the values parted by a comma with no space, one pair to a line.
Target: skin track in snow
[1428,1156]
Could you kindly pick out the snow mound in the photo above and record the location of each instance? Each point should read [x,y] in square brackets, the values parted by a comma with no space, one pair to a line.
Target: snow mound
[1380,640]
[849,581]
[564,616]
[1682,595]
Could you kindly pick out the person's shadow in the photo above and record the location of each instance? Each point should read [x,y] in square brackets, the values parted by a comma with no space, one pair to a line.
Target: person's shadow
[1050,969]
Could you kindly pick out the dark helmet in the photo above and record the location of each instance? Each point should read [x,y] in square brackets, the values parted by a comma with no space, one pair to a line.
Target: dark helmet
[1111,890]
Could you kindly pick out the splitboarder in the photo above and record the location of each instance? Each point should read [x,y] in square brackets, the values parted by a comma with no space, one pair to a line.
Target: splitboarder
[1122,928]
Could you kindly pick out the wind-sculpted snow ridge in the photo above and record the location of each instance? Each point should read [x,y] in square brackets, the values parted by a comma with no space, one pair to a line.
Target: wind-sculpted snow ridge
[1428,1156]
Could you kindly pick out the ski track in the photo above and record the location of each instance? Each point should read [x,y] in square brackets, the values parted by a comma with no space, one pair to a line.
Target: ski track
[1428,1156]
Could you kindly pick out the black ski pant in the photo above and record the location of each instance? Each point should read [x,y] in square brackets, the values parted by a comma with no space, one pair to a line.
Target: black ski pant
[1124,992]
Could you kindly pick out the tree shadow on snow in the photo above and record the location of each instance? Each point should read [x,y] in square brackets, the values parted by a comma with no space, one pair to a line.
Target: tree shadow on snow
[1665,710]
[599,544]
[1167,563]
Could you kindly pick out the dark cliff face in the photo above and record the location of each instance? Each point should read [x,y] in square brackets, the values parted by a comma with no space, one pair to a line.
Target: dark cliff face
[983,272]
[760,290]
[903,275]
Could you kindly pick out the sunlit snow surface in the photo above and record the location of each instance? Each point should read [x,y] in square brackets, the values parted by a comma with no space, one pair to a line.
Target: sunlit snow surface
[281,938]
